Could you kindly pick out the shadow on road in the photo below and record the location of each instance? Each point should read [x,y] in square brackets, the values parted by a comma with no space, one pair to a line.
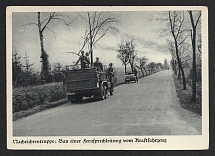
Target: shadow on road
[85,101]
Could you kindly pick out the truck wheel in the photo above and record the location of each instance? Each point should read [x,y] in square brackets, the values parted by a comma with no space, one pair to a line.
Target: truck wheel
[79,98]
[111,91]
[106,92]
[103,92]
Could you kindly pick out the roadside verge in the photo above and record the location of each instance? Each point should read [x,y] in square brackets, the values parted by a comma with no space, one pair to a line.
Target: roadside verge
[185,97]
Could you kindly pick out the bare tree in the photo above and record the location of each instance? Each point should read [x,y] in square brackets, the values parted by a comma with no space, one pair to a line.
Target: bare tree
[193,38]
[152,67]
[171,48]
[99,23]
[142,62]
[43,24]
[176,19]
[127,54]
[184,55]
[132,54]
[123,55]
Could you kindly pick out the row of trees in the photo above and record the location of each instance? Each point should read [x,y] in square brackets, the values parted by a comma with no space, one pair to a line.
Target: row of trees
[24,75]
[128,55]
[181,47]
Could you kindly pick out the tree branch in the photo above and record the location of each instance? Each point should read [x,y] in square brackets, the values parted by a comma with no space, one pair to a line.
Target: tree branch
[52,32]
[100,37]
[198,19]
[50,17]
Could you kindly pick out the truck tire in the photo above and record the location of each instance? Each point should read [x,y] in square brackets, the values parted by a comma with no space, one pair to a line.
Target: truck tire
[106,92]
[79,98]
[103,92]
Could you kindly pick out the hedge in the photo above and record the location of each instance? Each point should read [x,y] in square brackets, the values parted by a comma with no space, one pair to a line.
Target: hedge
[28,97]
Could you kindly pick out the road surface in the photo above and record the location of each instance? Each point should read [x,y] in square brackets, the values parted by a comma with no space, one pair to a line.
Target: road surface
[148,107]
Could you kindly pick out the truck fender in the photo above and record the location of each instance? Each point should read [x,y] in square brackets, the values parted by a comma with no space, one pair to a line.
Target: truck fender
[104,83]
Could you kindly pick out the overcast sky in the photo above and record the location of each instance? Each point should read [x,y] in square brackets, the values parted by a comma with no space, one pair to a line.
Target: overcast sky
[133,25]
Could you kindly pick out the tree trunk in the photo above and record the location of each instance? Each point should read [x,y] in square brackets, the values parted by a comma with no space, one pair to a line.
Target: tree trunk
[142,72]
[44,56]
[125,68]
[91,56]
[194,65]
[145,71]
[193,38]
[40,34]
[132,68]
[179,73]
[91,40]
[91,48]
[180,66]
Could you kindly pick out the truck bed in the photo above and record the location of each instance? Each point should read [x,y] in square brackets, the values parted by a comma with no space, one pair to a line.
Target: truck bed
[80,79]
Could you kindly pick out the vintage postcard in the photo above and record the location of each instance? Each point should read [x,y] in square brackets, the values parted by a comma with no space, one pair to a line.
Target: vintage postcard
[107,78]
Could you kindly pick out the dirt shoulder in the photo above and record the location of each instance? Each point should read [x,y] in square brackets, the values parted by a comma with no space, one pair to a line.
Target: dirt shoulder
[185,97]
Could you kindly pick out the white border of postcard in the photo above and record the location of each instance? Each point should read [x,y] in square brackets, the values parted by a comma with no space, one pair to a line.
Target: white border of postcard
[189,142]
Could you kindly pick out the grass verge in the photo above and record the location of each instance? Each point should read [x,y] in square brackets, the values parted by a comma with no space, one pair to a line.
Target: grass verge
[185,97]
[24,113]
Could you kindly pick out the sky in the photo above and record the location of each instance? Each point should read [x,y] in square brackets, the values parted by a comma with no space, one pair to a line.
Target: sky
[59,38]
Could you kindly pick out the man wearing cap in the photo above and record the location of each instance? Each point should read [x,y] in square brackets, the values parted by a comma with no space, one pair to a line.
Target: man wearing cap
[110,73]
[83,59]
[98,64]
[135,74]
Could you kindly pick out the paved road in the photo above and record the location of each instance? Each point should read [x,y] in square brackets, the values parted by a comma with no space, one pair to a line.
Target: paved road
[149,107]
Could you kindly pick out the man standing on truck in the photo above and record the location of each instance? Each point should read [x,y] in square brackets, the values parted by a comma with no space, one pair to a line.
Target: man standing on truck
[110,73]
[84,60]
[98,64]
[88,59]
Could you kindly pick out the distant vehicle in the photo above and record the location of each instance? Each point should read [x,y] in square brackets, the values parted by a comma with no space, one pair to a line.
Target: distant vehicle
[130,77]
[79,83]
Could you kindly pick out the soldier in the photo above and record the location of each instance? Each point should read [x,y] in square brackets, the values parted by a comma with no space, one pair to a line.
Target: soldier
[83,59]
[135,73]
[88,59]
[98,64]
[110,73]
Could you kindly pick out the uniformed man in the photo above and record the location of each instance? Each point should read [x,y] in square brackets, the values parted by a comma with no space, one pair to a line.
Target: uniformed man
[83,59]
[110,73]
[98,64]
[135,74]
[88,59]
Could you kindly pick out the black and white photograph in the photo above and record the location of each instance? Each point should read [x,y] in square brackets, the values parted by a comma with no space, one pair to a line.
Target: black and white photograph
[107,78]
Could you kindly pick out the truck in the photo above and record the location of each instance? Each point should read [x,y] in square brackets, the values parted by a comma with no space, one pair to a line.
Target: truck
[87,82]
